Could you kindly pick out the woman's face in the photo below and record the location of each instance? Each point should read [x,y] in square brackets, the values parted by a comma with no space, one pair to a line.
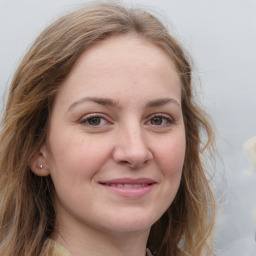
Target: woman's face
[116,141]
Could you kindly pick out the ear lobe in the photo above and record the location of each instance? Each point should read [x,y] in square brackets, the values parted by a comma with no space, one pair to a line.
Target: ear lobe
[38,164]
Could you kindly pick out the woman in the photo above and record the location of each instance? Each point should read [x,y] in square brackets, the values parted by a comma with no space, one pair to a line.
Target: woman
[101,150]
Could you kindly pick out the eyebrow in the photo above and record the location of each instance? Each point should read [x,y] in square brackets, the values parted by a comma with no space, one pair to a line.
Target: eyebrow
[161,102]
[112,103]
[100,101]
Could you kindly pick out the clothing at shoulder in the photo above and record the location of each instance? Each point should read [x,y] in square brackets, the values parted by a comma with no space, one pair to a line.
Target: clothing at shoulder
[52,248]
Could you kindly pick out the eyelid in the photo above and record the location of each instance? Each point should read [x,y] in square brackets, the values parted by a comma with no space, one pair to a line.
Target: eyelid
[165,116]
[161,114]
[92,115]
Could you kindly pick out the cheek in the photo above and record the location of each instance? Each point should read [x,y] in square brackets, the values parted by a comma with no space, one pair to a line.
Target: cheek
[170,157]
[171,154]
[80,155]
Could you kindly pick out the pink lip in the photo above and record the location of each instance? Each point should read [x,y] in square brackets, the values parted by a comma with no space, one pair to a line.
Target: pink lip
[129,187]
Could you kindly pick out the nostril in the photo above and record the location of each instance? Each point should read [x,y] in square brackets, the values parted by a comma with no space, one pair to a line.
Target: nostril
[124,162]
[129,164]
[134,165]
[132,155]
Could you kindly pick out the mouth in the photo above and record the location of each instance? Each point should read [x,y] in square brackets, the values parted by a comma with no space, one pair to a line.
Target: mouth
[132,188]
[127,185]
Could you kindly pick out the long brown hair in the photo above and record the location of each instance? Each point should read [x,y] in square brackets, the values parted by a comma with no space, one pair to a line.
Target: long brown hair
[27,215]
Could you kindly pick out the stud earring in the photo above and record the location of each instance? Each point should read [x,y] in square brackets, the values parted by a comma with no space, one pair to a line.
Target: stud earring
[41,166]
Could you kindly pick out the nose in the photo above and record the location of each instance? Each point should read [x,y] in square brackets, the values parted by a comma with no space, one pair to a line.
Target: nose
[131,148]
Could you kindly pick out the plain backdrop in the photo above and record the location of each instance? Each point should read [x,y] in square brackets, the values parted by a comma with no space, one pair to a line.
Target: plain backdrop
[220,35]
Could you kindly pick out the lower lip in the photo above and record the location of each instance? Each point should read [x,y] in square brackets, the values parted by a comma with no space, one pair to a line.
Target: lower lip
[132,192]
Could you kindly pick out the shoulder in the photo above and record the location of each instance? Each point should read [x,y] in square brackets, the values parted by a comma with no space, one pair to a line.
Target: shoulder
[52,248]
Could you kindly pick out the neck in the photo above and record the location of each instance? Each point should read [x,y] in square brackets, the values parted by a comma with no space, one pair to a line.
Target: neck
[98,243]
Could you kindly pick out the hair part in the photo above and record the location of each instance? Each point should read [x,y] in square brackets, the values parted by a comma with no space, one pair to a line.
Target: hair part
[27,214]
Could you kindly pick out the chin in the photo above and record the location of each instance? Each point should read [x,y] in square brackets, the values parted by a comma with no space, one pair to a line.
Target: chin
[133,223]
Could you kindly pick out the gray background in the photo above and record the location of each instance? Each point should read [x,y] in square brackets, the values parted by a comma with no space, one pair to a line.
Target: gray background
[220,35]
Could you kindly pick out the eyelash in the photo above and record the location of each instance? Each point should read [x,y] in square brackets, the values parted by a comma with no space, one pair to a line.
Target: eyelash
[163,118]
[168,120]
[86,119]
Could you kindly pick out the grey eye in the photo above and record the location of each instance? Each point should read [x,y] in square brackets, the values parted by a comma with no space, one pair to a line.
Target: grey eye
[157,120]
[94,120]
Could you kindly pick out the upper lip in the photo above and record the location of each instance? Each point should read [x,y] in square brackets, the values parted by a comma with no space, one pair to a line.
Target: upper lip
[129,181]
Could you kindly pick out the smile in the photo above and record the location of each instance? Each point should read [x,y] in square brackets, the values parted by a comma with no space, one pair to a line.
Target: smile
[132,188]
[127,185]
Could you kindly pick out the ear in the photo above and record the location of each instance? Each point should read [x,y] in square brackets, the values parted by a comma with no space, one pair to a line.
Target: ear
[38,162]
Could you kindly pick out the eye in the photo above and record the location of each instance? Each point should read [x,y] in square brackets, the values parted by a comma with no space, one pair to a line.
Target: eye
[160,120]
[94,121]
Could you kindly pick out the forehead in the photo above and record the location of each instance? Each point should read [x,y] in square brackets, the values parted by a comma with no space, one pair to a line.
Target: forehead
[126,49]
[128,62]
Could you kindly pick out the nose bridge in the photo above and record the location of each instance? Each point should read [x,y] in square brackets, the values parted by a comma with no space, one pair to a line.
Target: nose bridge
[132,146]
[136,140]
